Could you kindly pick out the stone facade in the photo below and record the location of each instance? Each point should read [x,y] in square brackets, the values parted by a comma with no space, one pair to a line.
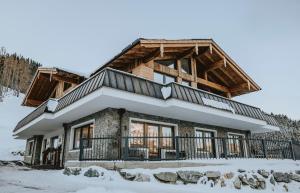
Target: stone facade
[107,123]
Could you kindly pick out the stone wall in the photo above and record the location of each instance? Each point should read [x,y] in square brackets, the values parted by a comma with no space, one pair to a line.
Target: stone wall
[107,123]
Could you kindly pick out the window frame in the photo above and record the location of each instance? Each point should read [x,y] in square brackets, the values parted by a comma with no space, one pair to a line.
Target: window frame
[215,141]
[88,127]
[145,123]
[72,133]
[243,136]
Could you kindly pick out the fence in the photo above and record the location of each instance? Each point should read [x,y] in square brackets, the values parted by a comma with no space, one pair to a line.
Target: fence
[182,148]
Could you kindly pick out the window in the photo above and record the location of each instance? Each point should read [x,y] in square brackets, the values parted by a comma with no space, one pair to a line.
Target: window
[162,78]
[67,86]
[205,143]
[83,132]
[168,63]
[186,83]
[54,142]
[152,132]
[235,145]
[30,147]
[186,65]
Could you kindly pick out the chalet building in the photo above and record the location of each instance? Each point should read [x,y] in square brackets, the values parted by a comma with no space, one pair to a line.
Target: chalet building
[156,100]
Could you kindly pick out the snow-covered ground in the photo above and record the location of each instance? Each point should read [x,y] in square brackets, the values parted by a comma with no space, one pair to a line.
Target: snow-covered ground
[19,179]
[11,112]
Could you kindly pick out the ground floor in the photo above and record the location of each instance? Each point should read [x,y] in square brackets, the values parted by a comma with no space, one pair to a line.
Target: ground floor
[118,134]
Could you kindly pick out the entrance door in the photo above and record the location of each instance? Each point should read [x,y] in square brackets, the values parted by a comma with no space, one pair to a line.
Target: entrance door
[153,141]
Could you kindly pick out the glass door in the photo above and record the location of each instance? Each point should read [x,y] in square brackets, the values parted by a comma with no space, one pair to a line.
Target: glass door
[205,143]
[235,145]
[153,141]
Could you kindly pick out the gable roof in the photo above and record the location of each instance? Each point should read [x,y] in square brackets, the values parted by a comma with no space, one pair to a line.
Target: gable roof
[206,51]
[44,83]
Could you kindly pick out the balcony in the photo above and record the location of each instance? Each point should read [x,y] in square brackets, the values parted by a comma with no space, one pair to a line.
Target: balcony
[117,89]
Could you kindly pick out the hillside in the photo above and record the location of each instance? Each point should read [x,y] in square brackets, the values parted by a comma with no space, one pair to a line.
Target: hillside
[16,72]
[11,112]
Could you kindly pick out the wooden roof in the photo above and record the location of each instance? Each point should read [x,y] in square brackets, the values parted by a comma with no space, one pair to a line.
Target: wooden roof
[44,83]
[210,58]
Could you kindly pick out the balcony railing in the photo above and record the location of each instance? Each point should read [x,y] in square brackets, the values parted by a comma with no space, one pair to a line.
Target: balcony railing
[33,115]
[127,82]
[182,148]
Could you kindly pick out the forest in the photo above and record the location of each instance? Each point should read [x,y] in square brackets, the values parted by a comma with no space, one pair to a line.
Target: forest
[16,72]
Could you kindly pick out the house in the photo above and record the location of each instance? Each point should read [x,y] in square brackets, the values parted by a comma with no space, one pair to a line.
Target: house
[156,100]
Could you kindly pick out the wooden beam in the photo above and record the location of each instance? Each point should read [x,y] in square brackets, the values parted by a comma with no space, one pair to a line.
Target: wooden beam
[233,67]
[213,85]
[161,50]
[65,79]
[34,102]
[239,88]
[173,45]
[216,65]
[151,56]
[220,78]
[186,53]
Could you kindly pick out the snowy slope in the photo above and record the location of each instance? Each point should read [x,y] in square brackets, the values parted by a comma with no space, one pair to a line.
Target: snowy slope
[11,112]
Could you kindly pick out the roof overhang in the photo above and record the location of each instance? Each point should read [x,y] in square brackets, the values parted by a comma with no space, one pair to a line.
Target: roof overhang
[218,65]
[106,97]
[44,83]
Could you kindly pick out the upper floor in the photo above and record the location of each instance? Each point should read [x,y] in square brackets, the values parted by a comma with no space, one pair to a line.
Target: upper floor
[198,63]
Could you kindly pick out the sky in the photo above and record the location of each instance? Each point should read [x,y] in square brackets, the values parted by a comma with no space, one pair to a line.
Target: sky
[263,37]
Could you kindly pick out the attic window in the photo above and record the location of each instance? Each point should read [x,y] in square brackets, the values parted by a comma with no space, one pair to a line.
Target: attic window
[67,86]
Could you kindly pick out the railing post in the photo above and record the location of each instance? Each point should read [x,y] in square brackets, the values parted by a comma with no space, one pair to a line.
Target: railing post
[263,142]
[292,150]
[126,149]
[81,150]
[224,147]
[177,147]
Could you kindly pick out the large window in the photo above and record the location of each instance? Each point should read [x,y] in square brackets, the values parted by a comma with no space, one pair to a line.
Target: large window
[235,145]
[151,135]
[168,63]
[84,132]
[205,143]
[186,65]
[163,78]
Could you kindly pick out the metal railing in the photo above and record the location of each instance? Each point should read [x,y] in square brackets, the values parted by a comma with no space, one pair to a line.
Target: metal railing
[156,148]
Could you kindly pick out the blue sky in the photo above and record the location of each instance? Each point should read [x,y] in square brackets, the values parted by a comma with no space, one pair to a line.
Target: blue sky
[263,37]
